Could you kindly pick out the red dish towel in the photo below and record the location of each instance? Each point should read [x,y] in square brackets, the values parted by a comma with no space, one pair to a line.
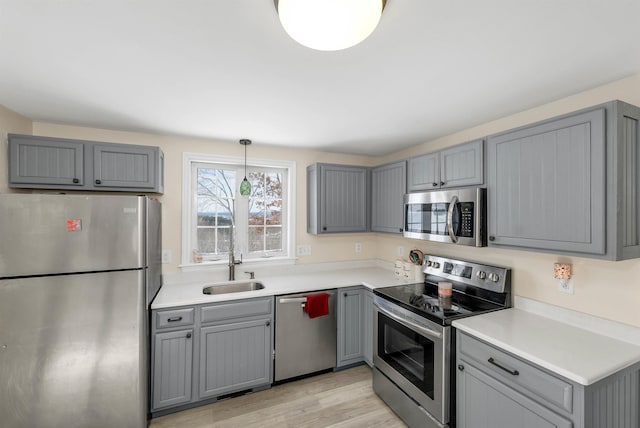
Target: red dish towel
[317,305]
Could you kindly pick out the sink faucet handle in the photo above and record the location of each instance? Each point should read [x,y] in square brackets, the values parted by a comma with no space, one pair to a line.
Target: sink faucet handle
[252,275]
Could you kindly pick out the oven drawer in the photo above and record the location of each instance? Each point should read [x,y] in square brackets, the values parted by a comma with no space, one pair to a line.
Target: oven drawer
[512,370]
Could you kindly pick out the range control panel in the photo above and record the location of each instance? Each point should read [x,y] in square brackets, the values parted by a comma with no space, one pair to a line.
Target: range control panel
[492,278]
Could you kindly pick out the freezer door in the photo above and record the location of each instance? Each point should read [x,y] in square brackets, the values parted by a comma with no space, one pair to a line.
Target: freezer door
[73,351]
[45,234]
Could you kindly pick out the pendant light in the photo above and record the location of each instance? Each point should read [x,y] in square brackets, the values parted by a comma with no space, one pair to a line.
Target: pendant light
[329,25]
[245,186]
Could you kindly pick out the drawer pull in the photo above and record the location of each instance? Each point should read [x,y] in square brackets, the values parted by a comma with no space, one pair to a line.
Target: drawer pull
[511,372]
[174,319]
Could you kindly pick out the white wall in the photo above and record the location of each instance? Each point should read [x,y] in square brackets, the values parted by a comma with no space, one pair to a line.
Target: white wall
[606,289]
[10,123]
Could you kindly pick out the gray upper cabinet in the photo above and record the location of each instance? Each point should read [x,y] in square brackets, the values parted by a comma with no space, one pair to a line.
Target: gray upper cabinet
[455,166]
[337,198]
[568,185]
[58,163]
[388,186]
[125,166]
[35,160]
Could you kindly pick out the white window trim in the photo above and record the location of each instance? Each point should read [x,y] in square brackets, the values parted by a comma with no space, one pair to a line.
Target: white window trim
[187,159]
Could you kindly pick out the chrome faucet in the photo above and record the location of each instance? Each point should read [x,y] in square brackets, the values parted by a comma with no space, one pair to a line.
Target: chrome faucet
[232,261]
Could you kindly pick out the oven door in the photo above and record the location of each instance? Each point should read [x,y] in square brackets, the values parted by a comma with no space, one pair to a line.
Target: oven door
[413,352]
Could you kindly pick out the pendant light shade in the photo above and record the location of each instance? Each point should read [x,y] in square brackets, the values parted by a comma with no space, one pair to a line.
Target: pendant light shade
[329,25]
[245,186]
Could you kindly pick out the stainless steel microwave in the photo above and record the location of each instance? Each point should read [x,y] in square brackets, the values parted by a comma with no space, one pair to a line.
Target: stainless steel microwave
[454,216]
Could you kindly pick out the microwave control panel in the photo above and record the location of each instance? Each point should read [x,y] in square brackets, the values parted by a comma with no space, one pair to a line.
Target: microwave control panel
[466,218]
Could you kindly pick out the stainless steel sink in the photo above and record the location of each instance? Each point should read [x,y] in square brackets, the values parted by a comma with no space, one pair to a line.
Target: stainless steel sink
[233,287]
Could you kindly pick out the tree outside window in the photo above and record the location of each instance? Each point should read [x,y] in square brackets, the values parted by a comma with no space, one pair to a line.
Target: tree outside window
[258,220]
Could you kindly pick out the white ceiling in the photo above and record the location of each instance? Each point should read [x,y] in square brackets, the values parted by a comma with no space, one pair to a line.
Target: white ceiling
[225,69]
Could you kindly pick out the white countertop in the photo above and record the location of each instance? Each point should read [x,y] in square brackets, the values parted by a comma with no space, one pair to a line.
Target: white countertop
[571,352]
[299,282]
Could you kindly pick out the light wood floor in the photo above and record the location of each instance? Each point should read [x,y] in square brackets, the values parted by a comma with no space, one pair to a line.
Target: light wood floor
[338,399]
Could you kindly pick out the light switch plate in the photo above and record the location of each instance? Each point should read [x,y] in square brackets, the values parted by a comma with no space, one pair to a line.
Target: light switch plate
[358,247]
[166,256]
[303,250]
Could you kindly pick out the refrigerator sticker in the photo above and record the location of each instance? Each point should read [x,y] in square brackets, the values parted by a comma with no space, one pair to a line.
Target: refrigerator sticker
[74,225]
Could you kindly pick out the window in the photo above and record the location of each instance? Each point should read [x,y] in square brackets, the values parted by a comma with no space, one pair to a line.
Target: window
[260,226]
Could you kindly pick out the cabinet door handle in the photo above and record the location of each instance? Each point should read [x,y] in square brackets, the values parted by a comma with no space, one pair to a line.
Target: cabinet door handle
[460,367]
[324,228]
[434,184]
[345,294]
[492,238]
[174,319]
[76,181]
[268,323]
[98,182]
[401,230]
[188,335]
[442,183]
[511,372]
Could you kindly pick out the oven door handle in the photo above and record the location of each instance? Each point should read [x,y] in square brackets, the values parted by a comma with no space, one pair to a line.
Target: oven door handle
[452,206]
[426,331]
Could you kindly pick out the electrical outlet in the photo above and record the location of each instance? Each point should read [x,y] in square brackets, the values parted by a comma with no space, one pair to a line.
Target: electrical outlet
[400,251]
[166,256]
[358,247]
[303,250]
[565,285]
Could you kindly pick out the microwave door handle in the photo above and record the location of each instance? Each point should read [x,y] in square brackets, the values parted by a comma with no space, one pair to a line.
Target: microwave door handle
[425,331]
[452,206]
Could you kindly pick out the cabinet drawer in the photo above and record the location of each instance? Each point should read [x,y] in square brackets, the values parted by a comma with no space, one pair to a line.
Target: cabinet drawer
[513,370]
[174,318]
[236,309]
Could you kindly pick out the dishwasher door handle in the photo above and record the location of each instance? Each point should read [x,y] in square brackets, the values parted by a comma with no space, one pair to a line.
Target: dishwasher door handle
[293,300]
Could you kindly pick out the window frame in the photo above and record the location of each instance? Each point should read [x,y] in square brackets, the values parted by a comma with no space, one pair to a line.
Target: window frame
[189,202]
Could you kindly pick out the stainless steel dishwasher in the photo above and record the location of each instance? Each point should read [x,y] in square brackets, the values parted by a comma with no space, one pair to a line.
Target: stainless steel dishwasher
[303,345]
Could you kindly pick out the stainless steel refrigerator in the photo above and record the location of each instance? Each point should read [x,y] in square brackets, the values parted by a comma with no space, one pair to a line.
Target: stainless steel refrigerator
[77,275]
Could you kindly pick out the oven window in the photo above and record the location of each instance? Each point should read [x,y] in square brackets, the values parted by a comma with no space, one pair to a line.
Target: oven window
[409,353]
[431,218]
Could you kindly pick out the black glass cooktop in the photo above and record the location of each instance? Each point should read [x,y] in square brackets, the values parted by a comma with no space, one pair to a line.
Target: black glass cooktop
[422,299]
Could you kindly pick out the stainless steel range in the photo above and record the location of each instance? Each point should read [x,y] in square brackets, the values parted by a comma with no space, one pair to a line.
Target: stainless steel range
[414,347]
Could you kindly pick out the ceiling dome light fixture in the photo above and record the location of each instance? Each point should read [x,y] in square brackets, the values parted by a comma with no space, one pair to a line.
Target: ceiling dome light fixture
[329,25]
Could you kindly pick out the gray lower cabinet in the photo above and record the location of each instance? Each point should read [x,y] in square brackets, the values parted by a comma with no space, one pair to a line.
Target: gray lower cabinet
[497,389]
[351,330]
[172,368]
[337,198]
[60,163]
[568,185]
[460,165]
[202,352]
[388,186]
[235,357]
[367,327]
